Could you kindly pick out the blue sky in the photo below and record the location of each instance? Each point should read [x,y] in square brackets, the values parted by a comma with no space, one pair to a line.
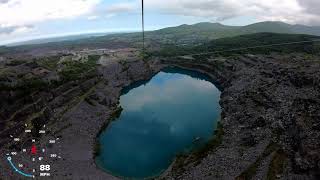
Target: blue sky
[29,19]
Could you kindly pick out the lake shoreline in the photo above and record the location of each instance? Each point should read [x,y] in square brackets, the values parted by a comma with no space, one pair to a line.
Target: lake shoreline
[254,132]
[244,150]
[183,85]
[270,109]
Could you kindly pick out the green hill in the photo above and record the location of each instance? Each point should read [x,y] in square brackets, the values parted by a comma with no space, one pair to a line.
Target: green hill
[204,32]
[197,33]
[269,26]
[258,43]
[183,35]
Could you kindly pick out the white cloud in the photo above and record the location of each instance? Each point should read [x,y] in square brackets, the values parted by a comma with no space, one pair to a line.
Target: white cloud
[112,10]
[311,9]
[290,11]
[310,6]
[15,29]
[23,29]
[121,7]
[28,12]
[3,1]
[165,92]
[91,18]
[285,10]
[18,16]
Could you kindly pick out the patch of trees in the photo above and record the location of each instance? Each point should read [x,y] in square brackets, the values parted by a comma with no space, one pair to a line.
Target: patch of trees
[259,43]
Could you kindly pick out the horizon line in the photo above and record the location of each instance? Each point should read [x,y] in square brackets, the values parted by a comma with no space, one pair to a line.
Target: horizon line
[12,43]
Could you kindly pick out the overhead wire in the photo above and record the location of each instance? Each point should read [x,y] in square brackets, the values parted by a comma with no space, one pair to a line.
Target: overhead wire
[143,33]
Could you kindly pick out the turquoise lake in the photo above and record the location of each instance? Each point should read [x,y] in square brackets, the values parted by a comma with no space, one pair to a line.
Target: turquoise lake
[175,112]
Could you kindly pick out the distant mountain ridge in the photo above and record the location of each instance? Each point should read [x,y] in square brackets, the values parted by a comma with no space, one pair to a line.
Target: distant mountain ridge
[205,32]
[183,35]
[186,34]
[59,38]
[210,31]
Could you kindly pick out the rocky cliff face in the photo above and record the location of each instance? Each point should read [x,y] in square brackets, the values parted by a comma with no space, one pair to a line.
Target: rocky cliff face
[269,124]
[74,106]
[270,118]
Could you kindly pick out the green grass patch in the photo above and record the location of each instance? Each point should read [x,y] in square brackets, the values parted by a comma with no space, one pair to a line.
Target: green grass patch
[93,58]
[26,86]
[258,43]
[50,63]
[15,63]
[75,70]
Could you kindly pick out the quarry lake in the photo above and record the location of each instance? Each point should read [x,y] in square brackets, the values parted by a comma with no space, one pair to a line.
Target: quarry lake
[175,112]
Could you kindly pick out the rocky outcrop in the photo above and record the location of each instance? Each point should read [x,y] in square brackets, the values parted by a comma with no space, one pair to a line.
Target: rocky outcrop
[270,115]
[75,111]
[269,124]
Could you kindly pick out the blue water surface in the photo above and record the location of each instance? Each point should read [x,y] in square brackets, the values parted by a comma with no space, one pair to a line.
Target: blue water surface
[176,111]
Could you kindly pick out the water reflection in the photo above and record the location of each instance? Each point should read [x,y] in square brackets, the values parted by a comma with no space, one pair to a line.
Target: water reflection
[159,120]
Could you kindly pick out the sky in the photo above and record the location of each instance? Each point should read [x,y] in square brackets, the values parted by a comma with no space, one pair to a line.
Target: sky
[32,19]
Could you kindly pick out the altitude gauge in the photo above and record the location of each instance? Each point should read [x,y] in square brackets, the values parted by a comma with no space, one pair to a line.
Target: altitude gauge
[33,154]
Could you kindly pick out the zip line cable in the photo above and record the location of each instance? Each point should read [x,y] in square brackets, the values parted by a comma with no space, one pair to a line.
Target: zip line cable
[143,37]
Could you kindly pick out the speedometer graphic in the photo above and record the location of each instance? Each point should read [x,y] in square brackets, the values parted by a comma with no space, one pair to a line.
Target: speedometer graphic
[33,154]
